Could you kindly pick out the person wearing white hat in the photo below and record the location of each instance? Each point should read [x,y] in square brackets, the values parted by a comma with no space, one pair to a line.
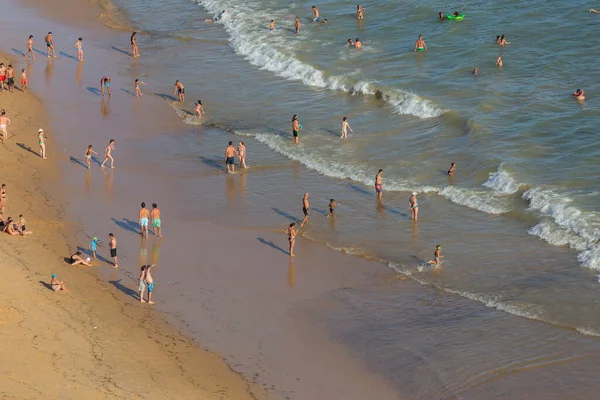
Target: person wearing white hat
[42,142]
[414,206]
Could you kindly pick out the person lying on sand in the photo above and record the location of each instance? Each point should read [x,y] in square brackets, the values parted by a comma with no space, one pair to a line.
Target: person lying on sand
[77,258]
[57,285]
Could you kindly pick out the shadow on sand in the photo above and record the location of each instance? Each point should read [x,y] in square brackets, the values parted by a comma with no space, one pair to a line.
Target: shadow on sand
[272,245]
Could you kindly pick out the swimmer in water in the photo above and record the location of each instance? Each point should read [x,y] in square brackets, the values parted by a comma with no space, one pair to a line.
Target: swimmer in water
[350,43]
[272,25]
[437,256]
[442,16]
[497,39]
[499,61]
[593,11]
[502,41]
[315,14]
[579,94]
[476,71]
[324,21]
[297,25]
[218,17]
[360,12]
[199,109]
[420,44]
[451,170]
[345,127]
[357,43]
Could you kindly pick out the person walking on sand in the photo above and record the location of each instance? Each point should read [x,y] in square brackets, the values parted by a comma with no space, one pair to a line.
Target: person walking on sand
[241,153]
[88,156]
[345,127]
[305,209]
[142,284]
[144,216]
[414,206]
[134,48]
[30,44]
[24,80]
[4,123]
[199,109]
[179,90]
[112,245]
[50,45]
[230,153]
[316,15]
[295,128]
[42,142]
[420,44]
[2,76]
[138,91]
[451,170]
[297,25]
[108,154]
[437,257]
[57,285]
[93,246]
[379,184]
[149,282]
[105,85]
[79,47]
[291,232]
[156,222]
[10,78]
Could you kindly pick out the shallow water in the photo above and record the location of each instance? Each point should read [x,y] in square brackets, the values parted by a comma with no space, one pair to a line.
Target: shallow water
[518,223]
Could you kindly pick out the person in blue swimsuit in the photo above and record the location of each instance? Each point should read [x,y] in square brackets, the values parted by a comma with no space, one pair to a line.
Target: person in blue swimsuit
[105,85]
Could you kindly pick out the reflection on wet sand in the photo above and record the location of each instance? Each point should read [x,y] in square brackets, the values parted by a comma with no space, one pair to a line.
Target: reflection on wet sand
[79,74]
[105,107]
[156,243]
[143,254]
[49,70]
[230,188]
[108,182]
[291,273]
[88,181]
[380,208]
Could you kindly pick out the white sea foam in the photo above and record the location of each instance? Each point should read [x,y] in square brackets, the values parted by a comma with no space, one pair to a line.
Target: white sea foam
[248,39]
[502,182]
[567,225]
[480,200]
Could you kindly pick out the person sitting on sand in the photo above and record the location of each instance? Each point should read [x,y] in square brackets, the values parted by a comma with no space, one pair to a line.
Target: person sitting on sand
[579,94]
[77,258]
[12,228]
[57,285]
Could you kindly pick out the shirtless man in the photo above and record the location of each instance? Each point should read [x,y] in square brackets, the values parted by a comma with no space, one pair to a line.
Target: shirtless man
[24,80]
[379,184]
[108,154]
[3,198]
[297,25]
[499,61]
[315,14]
[144,216]
[272,25]
[579,95]
[360,12]
[4,123]
[305,209]
[350,43]
[50,45]
[2,76]
[295,128]
[345,127]
[105,85]
[357,43]
[156,222]
[437,256]
[149,282]
[112,245]
[230,153]
[10,78]
[414,206]
[30,44]
[179,90]
[451,170]
[420,44]
[476,71]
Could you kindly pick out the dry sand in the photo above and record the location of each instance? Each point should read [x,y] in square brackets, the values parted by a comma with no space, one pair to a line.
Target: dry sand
[87,343]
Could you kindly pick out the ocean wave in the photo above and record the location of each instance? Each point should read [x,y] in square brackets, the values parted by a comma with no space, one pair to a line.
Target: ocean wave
[480,200]
[502,182]
[247,39]
[567,225]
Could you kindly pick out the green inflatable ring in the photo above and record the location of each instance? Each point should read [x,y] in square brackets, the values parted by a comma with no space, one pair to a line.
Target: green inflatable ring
[455,18]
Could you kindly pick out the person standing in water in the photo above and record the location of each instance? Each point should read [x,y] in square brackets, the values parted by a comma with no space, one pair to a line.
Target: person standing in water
[305,209]
[179,90]
[144,218]
[42,143]
[316,16]
[156,222]
[345,127]
[230,153]
[437,257]
[295,128]
[297,25]
[135,52]
[112,245]
[30,44]
[138,91]
[149,282]
[475,71]
[502,41]
[272,25]
[360,12]
[420,44]
[79,47]
[350,43]
[414,206]
[241,153]
[199,109]
[499,61]
[451,170]
[105,85]
[331,208]
[357,44]
[291,232]
[108,154]
[50,45]
[579,95]
[88,156]
[379,184]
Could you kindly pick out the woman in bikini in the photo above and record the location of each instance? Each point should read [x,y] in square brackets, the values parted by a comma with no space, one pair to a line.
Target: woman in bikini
[77,258]
[42,143]
[414,206]
[57,285]
[199,109]
[108,155]
[242,154]
[291,232]
[79,47]
[30,43]
[134,48]
[88,156]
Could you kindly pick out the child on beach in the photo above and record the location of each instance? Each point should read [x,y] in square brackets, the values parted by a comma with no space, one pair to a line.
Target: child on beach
[79,47]
[149,282]
[57,285]
[22,222]
[88,156]
[437,257]
[142,284]
[331,208]
[4,123]
[199,109]
[93,246]
[345,127]
[138,91]
[291,232]
[10,78]
[24,80]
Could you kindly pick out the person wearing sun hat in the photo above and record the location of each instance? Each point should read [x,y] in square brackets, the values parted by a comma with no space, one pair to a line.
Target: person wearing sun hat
[414,206]
[42,142]
[57,285]
[93,246]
